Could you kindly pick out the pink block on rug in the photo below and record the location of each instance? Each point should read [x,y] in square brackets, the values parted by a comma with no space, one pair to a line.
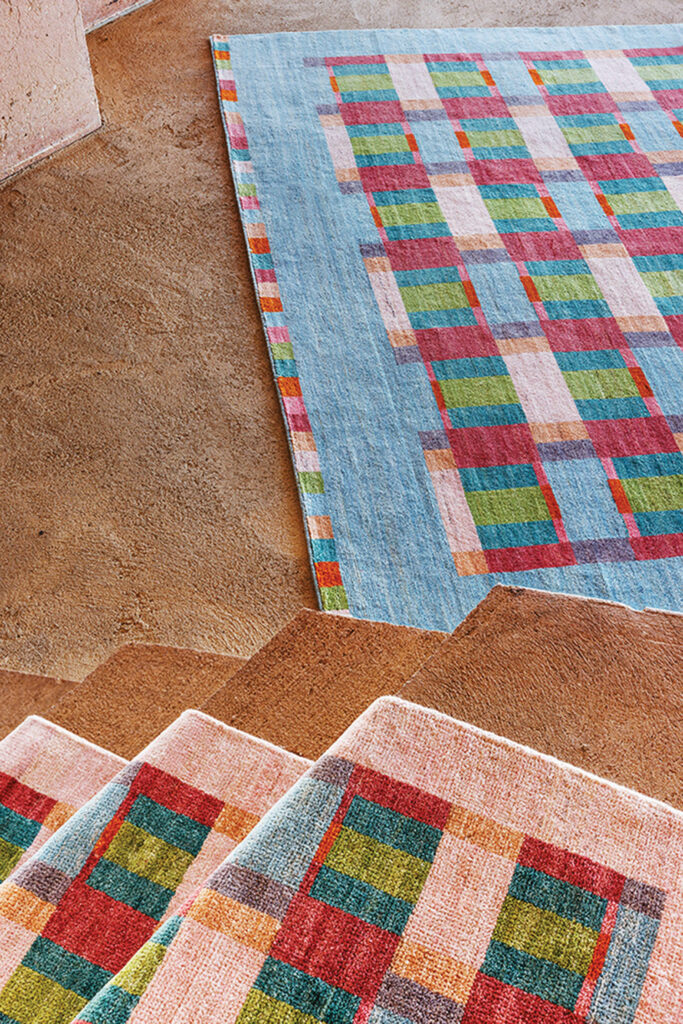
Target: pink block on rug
[199,948]
[465,881]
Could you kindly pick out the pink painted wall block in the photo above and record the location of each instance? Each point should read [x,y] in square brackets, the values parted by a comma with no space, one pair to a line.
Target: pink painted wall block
[47,94]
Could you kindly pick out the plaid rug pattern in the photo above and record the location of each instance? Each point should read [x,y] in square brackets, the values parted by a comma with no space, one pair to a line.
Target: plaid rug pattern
[74,914]
[476,319]
[426,871]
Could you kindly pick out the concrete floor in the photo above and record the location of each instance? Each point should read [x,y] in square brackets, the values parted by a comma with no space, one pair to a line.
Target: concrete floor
[147,490]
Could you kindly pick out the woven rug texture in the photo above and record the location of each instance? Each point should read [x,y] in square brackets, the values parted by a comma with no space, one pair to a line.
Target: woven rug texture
[46,774]
[74,914]
[425,871]
[466,246]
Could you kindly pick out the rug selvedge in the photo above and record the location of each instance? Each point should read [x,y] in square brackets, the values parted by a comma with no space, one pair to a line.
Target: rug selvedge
[318,524]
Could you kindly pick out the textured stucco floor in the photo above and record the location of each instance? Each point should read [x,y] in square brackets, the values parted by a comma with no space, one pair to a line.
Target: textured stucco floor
[146,489]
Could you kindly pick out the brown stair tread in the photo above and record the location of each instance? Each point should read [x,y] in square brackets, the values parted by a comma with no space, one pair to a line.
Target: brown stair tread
[138,691]
[24,694]
[309,683]
[590,682]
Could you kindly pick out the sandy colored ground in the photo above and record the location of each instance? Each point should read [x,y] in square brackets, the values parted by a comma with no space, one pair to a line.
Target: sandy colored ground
[147,491]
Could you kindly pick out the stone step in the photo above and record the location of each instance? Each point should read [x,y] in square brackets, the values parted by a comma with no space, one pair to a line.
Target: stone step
[24,694]
[129,699]
[590,682]
[587,681]
[47,93]
[314,678]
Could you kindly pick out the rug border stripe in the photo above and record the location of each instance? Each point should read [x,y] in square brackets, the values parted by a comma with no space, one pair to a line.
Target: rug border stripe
[327,575]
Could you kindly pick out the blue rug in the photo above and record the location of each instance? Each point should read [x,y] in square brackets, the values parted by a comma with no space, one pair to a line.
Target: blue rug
[466,247]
